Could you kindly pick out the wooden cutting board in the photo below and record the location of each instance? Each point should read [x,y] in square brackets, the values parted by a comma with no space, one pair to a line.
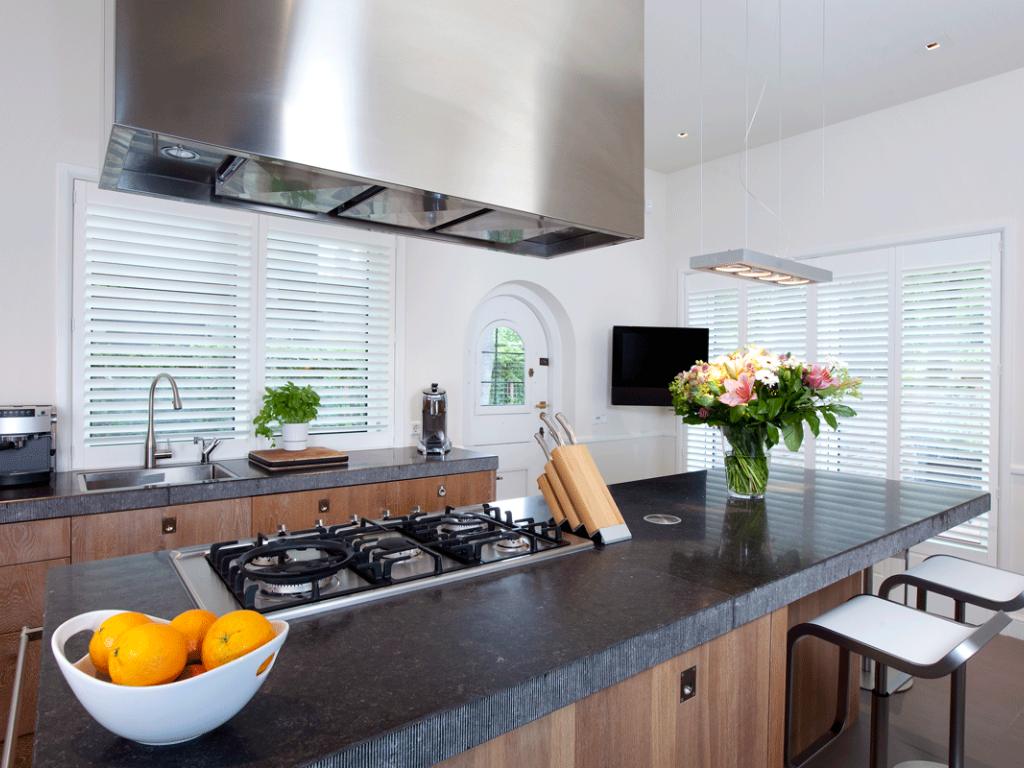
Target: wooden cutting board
[586,488]
[278,459]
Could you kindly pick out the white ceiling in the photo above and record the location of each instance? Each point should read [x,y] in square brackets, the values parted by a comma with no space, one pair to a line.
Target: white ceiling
[874,58]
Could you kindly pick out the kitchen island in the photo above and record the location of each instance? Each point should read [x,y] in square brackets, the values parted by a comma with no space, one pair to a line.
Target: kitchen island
[422,678]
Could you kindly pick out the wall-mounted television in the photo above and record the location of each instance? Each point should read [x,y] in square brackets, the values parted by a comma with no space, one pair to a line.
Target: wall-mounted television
[645,359]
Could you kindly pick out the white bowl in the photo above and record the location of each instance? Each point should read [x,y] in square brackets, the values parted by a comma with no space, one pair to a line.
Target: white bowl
[164,714]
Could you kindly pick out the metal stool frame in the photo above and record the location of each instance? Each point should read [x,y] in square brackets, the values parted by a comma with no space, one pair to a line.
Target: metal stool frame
[953,662]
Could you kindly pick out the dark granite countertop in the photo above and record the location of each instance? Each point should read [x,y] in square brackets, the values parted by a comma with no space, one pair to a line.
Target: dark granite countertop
[65,497]
[412,680]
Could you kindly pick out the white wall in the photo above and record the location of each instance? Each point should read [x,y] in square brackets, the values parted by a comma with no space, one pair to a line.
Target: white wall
[619,285]
[51,56]
[948,163]
[55,103]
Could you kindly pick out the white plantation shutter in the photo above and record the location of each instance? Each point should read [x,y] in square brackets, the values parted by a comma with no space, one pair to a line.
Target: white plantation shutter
[853,326]
[946,384]
[916,323]
[777,321]
[718,310]
[160,291]
[328,322]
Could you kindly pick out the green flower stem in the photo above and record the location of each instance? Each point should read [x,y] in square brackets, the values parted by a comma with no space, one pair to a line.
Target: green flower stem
[746,463]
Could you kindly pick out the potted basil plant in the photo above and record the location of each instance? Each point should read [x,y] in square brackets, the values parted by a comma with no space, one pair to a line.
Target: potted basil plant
[291,406]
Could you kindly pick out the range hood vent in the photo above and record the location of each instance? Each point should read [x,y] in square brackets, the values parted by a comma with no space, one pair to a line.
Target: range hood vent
[516,128]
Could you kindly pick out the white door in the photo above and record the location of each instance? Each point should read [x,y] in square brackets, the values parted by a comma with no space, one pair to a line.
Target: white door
[509,389]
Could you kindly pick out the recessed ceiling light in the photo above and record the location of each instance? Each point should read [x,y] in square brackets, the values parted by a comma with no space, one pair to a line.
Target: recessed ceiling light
[178,152]
[682,134]
[933,45]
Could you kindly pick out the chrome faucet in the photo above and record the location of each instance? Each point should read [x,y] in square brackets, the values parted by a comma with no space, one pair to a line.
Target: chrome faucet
[206,447]
[152,454]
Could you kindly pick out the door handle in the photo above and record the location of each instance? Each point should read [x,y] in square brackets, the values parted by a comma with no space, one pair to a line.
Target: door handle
[542,405]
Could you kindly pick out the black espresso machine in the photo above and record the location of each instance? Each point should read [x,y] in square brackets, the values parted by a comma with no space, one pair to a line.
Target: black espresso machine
[27,449]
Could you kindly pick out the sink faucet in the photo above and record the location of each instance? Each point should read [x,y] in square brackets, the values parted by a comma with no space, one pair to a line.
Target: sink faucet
[152,454]
[206,447]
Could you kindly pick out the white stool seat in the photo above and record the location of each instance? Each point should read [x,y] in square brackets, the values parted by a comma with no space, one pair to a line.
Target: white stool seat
[982,581]
[900,632]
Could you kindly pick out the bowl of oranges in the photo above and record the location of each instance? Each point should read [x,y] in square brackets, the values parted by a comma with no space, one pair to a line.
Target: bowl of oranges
[163,682]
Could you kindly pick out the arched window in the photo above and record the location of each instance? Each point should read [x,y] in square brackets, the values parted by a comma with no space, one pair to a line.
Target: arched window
[502,367]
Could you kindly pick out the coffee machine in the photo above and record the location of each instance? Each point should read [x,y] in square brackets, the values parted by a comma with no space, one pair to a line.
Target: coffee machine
[434,436]
[27,451]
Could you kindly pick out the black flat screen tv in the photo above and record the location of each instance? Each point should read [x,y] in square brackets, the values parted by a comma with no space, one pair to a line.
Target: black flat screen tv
[645,359]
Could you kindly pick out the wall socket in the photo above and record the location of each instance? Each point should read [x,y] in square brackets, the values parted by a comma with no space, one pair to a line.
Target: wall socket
[417,428]
[601,418]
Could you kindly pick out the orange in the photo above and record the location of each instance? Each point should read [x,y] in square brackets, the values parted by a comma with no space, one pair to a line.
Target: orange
[149,654]
[233,635]
[193,625]
[103,639]
[191,670]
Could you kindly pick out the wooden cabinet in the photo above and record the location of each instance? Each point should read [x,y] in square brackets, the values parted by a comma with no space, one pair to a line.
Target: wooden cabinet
[735,718]
[27,551]
[430,494]
[470,488]
[642,721]
[303,510]
[98,537]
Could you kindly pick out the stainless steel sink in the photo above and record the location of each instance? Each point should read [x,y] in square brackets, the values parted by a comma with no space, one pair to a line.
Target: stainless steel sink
[115,479]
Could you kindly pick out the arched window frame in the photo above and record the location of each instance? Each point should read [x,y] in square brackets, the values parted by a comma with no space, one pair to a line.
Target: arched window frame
[484,334]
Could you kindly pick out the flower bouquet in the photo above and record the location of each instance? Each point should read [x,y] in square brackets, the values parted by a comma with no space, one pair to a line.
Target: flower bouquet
[759,399]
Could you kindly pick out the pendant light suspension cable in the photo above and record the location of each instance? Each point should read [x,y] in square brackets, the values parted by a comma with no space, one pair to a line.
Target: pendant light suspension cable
[700,128]
[746,124]
[778,142]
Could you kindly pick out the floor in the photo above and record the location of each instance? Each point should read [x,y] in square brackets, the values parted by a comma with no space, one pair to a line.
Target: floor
[919,717]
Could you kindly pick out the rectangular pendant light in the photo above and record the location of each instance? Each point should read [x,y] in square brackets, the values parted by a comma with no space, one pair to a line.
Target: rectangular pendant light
[760,267]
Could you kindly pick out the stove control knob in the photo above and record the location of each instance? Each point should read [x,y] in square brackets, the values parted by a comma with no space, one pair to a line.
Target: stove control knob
[281,529]
[355,518]
[442,491]
[320,523]
[387,514]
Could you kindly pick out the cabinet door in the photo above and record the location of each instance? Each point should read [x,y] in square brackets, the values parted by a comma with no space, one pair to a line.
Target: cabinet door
[22,593]
[98,537]
[35,540]
[297,511]
[470,488]
[430,494]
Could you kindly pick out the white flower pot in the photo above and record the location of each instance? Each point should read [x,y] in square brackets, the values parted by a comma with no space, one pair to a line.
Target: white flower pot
[294,437]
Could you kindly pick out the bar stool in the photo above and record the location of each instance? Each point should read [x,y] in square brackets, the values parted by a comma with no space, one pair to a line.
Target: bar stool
[892,635]
[965,582]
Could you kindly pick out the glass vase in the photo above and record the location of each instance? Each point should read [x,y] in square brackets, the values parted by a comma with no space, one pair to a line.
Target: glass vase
[746,461]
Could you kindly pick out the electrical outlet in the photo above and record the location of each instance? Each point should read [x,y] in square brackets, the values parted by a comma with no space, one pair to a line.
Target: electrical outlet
[601,418]
[416,428]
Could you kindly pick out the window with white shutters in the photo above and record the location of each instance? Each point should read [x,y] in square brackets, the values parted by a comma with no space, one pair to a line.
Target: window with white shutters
[163,290]
[327,323]
[777,321]
[946,382]
[227,302]
[853,326]
[916,324]
[718,310]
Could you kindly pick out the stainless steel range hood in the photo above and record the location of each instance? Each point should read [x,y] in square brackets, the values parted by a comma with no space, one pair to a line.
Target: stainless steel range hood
[516,126]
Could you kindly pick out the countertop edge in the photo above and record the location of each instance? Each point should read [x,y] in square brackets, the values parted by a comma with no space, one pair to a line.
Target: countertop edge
[443,735]
[79,504]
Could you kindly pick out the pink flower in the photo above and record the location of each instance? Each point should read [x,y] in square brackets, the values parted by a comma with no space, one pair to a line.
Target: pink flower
[818,377]
[703,412]
[738,391]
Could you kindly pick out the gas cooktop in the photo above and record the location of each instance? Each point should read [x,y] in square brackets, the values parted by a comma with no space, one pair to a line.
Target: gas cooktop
[292,574]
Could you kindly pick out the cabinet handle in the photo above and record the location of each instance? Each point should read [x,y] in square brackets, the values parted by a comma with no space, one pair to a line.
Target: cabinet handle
[688,684]
[19,672]
[441,490]
[169,525]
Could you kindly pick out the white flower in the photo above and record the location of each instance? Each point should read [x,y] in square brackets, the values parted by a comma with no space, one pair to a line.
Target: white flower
[767,377]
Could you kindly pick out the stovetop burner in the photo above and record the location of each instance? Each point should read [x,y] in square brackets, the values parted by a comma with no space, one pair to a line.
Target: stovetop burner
[291,572]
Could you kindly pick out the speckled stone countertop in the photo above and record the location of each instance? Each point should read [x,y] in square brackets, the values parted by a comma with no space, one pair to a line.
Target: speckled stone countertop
[415,679]
[65,496]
